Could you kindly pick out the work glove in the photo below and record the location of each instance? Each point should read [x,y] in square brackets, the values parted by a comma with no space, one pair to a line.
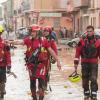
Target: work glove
[8,69]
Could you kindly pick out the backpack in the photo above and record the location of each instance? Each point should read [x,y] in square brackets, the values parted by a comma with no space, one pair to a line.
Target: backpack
[53,36]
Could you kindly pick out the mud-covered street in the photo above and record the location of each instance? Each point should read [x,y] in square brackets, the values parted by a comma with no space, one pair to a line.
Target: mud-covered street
[61,87]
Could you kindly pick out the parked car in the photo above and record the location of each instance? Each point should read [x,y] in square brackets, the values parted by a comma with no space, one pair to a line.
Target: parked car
[97,33]
[73,42]
[22,32]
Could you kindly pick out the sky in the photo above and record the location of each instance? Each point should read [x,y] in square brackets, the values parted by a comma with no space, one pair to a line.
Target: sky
[2,1]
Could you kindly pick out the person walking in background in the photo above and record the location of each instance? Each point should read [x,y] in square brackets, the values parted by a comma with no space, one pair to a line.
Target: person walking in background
[54,34]
[61,33]
[64,30]
[89,50]
[47,33]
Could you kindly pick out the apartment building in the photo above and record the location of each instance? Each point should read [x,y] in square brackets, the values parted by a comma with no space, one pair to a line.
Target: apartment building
[22,13]
[85,12]
[51,13]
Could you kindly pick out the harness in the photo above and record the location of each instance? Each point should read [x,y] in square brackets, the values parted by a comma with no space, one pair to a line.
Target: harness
[89,49]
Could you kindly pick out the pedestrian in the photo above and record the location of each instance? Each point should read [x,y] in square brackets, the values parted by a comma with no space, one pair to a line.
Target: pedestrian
[38,50]
[61,33]
[54,34]
[64,30]
[47,32]
[89,50]
[5,63]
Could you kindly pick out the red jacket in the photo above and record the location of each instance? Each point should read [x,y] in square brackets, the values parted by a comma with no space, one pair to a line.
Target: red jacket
[43,57]
[53,45]
[5,56]
[79,48]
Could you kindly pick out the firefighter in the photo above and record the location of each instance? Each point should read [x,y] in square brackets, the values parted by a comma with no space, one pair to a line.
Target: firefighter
[38,50]
[5,63]
[89,50]
[47,30]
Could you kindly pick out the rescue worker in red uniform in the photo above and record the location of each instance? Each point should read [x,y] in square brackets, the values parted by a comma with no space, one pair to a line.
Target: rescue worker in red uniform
[47,33]
[5,63]
[89,50]
[38,50]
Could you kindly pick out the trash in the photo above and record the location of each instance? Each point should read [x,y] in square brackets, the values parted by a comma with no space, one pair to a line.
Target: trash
[65,86]
[69,92]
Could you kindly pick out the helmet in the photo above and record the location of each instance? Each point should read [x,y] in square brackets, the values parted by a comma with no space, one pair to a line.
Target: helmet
[1,29]
[47,28]
[35,27]
[74,77]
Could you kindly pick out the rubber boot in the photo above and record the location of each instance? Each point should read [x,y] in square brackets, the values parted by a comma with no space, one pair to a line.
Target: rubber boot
[2,96]
[93,95]
[41,97]
[2,90]
[87,98]
[34,98]
[94,98]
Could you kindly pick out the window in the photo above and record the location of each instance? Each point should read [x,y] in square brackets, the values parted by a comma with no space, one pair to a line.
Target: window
[92,4]
[15,12]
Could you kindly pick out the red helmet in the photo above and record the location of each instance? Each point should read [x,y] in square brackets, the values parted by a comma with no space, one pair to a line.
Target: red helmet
[47,28]
[35,27]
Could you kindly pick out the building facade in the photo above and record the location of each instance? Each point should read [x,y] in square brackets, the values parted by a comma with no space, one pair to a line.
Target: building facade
[27,12]
[85,12]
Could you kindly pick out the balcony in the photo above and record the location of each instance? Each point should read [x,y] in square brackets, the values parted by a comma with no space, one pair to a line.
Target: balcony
[80,3]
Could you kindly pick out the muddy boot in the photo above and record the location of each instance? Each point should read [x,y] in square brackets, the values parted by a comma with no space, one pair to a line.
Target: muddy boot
[34,98]
[2,96]
[2,90]
[93,95]
[94,98]
[87,98]
[41,97]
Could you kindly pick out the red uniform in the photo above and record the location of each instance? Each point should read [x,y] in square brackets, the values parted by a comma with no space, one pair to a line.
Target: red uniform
[5,57]
[43,57]
[53,45]
[89,50]
[5,65]
[79,52]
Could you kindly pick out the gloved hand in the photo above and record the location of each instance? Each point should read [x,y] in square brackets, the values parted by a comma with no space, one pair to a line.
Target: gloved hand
[8,69]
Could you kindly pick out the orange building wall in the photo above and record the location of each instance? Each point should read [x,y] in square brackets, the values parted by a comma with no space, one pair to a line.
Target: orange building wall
[66,22]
